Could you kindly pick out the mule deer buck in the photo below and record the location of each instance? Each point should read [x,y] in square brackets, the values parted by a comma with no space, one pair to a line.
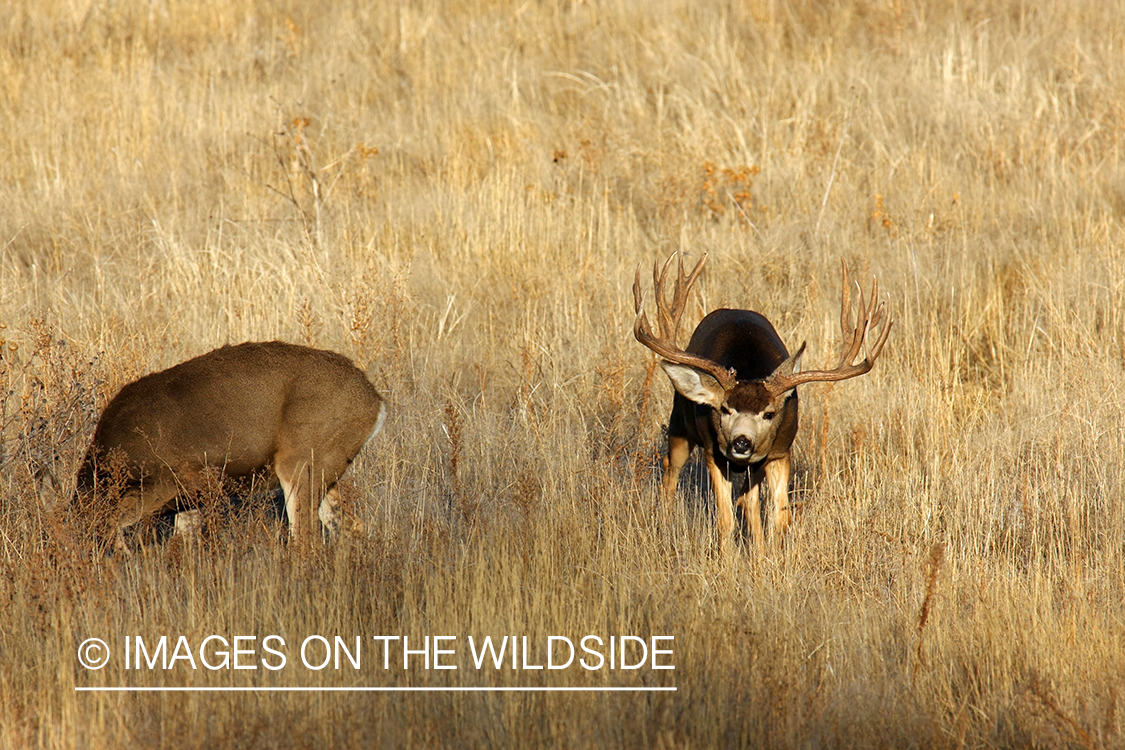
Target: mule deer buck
[295,415]
[736,392]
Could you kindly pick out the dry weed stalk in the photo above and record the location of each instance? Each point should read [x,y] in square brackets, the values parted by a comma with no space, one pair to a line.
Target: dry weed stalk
[526,494]
[933,566]
[642,457]
[525,390]
[307,319]
[466,507]
[824,423]
[1042,693]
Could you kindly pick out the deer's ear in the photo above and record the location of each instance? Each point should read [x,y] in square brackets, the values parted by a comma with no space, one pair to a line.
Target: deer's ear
[695,385]
[791,365]
[788,367]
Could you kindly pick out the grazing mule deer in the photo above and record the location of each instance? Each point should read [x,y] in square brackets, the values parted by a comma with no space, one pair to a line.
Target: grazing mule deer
[736,392]
[295,414]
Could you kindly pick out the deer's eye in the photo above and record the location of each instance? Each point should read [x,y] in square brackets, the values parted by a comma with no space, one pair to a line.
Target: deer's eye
[769,415]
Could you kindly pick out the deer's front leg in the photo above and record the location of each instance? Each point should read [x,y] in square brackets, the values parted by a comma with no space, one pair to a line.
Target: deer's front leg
[777,476]
[724,510]
[750,502]
[679,449]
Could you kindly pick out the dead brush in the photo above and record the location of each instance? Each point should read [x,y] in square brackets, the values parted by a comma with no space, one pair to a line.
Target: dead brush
[212,508]
[350,502]
[881,218]
[610,370]
[723,188]
[91,518]
[46,407]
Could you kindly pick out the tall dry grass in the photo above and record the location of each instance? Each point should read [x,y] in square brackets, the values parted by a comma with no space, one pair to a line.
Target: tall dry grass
[458,194]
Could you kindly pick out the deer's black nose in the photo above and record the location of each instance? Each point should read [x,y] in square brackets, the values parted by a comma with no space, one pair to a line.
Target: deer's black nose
[741,446]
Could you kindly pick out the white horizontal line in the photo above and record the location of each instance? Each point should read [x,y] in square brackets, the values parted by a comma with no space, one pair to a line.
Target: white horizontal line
[116,689]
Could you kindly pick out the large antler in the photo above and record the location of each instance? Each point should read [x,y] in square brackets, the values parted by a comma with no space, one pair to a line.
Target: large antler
[668,319]
[854,339]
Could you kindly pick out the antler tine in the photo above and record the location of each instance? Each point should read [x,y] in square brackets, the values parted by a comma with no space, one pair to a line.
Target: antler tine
[668,319]
[687,282]
[855,338]
[664,318]
[874,352]
[684,283]
[853,334]
[642,331]
[846,303]
[669,315]
[638,296]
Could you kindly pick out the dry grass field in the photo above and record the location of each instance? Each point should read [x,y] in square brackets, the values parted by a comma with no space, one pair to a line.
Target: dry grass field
[456,195]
